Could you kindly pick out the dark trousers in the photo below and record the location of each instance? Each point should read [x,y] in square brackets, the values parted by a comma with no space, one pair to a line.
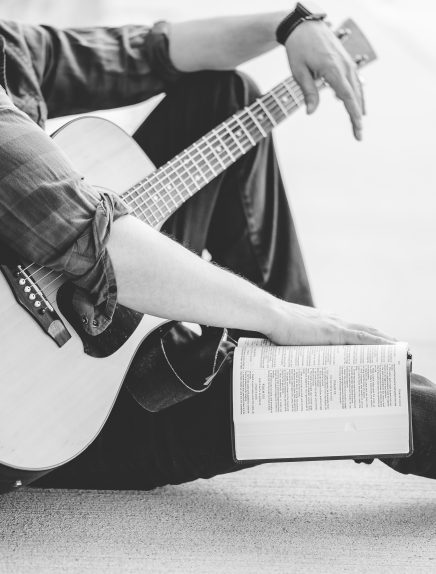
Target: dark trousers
[242,218]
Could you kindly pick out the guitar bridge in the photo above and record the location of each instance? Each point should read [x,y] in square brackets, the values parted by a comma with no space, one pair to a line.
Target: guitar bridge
[31,297]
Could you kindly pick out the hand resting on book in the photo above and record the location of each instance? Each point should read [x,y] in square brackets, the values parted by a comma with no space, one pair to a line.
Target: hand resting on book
[292,324]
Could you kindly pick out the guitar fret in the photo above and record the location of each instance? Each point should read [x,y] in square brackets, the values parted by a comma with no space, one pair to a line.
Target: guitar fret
[265,109]
[185,160]
[171,171]
[157,197]
[163,177]
[226,149]
[162,192]
[178,176]
[166,189]
[170,186]
[209,165]
[142,209]
[280,105]
[216,153]
[156,204]
[234,138]
[147,215]
[292,94]
[249,136]
[259,126]
[244,141]
[138,206]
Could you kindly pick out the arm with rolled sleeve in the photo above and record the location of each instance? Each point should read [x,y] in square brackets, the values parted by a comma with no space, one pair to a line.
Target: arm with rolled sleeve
[50,215]
[86,69]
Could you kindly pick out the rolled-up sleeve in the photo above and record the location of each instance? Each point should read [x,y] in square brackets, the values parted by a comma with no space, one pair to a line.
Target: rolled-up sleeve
[51,216]
[86,69]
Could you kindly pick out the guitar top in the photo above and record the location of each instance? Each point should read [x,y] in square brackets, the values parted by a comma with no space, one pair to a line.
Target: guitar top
[57,386]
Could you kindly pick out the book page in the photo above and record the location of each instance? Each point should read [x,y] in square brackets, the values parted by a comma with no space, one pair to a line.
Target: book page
[271,380]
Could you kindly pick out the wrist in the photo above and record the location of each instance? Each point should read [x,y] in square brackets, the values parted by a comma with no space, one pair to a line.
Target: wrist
[271,317]
[303,12]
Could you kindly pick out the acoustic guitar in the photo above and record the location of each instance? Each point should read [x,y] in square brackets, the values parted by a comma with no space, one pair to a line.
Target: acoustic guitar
[57,386]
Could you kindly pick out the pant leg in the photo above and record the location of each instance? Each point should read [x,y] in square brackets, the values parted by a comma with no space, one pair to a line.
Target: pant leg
[242,217]
[142,450]
[423,460]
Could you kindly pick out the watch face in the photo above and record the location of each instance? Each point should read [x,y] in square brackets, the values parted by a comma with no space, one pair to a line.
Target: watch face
[311,7]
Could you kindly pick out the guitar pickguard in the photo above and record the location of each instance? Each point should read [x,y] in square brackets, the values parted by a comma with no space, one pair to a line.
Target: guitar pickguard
[124,323]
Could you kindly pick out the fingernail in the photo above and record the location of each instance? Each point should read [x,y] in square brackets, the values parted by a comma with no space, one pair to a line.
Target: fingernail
[310,106]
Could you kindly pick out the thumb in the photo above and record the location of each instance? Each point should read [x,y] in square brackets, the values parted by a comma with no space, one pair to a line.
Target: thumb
[310,92]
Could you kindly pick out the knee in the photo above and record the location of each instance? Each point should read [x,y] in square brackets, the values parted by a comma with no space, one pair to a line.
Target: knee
[244,86]
[229,90]
[423,460]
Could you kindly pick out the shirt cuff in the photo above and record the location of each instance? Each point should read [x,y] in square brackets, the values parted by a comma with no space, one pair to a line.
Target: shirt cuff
[156,50]
[95,293]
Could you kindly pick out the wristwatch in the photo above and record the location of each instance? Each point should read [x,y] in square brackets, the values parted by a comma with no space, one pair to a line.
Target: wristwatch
[303,12]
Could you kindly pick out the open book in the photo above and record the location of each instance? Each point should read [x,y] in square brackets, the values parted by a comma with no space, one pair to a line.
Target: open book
[350,401]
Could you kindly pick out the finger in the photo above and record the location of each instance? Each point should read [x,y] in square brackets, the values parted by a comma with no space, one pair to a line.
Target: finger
[363,338]
[342,88]
[305,80]
[372,331]
[357,86]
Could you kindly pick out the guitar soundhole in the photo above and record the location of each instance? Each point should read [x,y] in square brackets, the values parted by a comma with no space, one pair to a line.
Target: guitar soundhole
[123,324]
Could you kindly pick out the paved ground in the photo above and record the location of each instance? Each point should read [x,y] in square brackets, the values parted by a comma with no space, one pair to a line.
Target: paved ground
[295,518]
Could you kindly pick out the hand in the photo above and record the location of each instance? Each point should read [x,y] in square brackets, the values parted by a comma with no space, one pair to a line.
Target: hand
[314,52]
[293,324]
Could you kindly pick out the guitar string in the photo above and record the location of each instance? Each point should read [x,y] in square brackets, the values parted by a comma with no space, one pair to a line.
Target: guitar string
[208,151]
[164,172]
[156,174]
[206,139]
[231,146]
[229,125]
[202,153]
[206,165]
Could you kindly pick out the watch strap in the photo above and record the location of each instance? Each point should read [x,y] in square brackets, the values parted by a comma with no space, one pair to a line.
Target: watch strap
[299,15]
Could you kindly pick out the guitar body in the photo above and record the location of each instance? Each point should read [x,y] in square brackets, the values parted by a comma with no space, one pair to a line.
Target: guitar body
[57,385]
[54,400]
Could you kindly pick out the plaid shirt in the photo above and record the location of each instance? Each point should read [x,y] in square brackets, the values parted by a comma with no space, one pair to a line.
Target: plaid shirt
[48,213]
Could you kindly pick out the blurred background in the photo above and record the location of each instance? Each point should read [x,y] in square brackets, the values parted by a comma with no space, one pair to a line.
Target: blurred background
[365,212]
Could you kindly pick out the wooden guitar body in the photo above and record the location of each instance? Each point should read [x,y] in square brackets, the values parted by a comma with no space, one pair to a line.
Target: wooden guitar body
[54,400]
[57,386]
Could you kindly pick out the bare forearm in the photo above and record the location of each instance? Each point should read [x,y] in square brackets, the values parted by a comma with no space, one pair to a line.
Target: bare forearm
[222,43]
[312,50]
[155,275]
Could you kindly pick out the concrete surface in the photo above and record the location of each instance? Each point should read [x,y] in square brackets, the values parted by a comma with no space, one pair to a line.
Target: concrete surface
[315,518]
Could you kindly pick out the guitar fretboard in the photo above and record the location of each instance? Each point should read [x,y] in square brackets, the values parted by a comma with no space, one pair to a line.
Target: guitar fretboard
[161,193]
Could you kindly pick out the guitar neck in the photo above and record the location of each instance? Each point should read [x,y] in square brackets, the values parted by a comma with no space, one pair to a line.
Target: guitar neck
[161,193]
